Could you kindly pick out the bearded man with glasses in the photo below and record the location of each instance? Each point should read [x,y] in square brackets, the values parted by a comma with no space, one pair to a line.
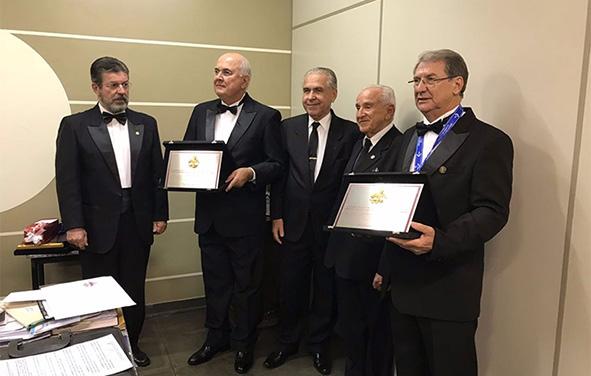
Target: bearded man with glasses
[108,167]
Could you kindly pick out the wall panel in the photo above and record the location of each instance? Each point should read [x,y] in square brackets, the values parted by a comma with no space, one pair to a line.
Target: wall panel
[173,76]
[348,44]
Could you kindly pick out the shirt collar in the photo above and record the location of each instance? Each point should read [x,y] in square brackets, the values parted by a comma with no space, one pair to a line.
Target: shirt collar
[378,136]
[324,122]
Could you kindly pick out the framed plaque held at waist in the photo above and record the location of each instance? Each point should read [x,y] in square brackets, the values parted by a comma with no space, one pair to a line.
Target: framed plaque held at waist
[384,204]
[196,165]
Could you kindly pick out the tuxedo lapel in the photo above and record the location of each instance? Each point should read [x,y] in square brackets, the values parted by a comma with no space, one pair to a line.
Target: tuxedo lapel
[409,145]
[300,150]
[136,137]
[355,155]
[100,135]
[247,115]
[446,149]
[210,125]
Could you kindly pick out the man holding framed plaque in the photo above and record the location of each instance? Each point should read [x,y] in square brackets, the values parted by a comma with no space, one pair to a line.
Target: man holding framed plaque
[363,318]
[436,279]
[318,145]
[231,223]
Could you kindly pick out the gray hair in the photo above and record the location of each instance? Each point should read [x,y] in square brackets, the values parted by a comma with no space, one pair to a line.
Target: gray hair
[106,64]
[245,69]
[454,63]
[387,95]
[329,73]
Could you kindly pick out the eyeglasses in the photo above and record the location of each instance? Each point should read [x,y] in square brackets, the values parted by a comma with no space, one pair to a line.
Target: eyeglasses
[115,85]
[225,72]
[428,81]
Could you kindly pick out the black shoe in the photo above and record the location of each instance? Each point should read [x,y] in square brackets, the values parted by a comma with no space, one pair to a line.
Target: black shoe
[243,361]
[205,353]
[321,363]
[277,358]
[140,358]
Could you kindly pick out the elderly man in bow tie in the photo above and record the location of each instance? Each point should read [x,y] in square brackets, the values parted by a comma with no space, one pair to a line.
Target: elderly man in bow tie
[436,280]
[108,166]
[231,224]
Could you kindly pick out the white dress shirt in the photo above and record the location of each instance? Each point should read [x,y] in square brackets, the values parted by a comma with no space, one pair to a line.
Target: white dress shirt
[119,135]
[322,137]
[225,122]
[378,136]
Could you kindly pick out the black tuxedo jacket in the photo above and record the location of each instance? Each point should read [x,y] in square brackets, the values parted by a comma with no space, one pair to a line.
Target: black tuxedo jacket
[254,142]
[293,198]
[470,174]
[356,257]
[87,180]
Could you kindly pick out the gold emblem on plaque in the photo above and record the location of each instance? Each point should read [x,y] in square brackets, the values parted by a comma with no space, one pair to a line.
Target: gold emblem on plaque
[194,162]
[378,197]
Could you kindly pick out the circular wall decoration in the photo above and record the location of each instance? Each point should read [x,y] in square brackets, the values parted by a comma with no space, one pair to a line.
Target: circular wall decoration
[32,104]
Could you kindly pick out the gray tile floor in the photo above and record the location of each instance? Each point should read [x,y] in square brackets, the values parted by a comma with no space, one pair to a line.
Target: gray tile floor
[170,338]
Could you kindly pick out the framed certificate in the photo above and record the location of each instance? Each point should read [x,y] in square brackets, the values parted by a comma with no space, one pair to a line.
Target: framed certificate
[196,165]
[384,204]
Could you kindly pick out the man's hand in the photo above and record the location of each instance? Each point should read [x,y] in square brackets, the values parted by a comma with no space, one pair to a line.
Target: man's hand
[239,177]
[159,227]
[77,237]
[377,281]
[421,245]
[277,230]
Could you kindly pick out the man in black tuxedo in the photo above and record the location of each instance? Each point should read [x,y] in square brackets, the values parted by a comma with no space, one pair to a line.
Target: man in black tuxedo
[363,319]
[318,145]
[436,280]
[108,168]
[231,224]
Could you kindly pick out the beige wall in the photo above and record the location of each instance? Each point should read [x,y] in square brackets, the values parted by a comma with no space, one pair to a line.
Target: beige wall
[170,47]
[526,73]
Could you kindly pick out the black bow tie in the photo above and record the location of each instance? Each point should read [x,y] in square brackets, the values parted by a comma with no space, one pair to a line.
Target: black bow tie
[423,128]
[223,108]
[120,117]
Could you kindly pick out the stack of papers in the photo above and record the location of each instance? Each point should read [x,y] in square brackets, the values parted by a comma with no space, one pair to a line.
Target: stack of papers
[83,297]
[31,313]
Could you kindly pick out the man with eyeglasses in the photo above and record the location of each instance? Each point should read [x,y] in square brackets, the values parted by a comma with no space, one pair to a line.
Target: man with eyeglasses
[436,279]
[108,167]
[231,224]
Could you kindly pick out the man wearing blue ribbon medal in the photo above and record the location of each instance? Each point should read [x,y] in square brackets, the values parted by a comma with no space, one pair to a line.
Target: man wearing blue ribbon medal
[436,279]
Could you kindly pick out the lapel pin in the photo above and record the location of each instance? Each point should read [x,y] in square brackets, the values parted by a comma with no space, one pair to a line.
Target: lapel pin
[442,170]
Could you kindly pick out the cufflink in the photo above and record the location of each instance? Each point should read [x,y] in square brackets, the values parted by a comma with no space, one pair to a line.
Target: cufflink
[372,157]
[442,170]
[137,133]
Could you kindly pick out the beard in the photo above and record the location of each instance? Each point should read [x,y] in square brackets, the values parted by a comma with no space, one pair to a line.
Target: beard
[117,105]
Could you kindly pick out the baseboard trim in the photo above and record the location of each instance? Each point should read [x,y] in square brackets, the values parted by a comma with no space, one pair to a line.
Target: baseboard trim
[175,306]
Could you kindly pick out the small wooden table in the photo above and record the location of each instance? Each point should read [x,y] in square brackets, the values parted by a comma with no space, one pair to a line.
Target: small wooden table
[45,254]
